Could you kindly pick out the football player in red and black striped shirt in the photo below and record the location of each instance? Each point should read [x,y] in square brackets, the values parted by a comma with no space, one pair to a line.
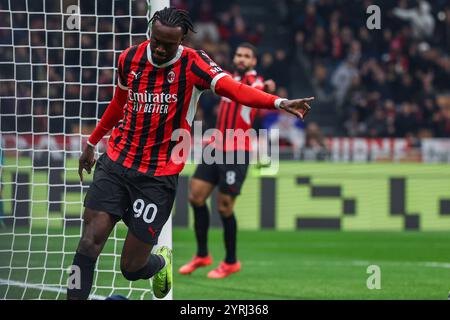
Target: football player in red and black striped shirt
[229,177]
[159,83]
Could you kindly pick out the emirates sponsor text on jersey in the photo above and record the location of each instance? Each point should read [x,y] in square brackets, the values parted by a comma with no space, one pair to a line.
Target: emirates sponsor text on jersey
[149,102]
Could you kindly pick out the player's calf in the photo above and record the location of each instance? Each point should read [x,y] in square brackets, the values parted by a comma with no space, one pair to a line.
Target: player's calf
[154,264]
[137,262]
[84,262]
[225,207]
[97,226]
[199,192]
[84,266]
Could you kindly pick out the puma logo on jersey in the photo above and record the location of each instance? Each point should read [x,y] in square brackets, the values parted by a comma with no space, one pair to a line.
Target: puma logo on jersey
[136,75]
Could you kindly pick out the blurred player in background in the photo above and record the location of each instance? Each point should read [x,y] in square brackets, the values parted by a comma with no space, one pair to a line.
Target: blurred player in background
[229,177]
[159,83]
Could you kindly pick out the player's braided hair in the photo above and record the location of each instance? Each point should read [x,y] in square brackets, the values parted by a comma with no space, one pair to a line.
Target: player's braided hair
[173,17]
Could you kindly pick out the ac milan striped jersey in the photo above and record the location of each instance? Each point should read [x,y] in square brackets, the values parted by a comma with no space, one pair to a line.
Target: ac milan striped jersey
[161,99]
[234,116]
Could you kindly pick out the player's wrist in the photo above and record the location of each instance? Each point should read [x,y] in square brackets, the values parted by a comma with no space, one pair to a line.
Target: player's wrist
[278,102]
[90,144]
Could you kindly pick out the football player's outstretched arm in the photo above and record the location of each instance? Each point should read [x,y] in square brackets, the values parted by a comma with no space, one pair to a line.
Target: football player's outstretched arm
[248,96]
[112,115]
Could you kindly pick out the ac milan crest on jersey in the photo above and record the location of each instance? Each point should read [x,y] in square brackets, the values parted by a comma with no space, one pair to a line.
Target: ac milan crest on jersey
[171,76]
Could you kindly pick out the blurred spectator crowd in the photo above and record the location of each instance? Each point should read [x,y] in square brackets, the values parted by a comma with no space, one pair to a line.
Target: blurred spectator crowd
[376,83]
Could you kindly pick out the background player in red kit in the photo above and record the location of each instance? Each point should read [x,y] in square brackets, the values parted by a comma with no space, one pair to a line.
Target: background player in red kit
[229,177]
[159,83]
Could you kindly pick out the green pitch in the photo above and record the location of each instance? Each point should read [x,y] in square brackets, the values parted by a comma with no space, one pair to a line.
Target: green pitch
[276,265]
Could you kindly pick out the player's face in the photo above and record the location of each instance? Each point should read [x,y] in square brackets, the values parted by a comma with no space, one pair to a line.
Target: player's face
[164,42]
[244,60]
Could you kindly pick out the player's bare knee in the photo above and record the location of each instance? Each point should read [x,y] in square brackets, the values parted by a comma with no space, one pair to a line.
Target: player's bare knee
[89,247]
[90,244]
[225,205]
[196,199]
[225,209]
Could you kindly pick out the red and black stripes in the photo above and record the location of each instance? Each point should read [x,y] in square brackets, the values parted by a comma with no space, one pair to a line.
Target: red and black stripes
[181,94]
[138,64]
[159,125]
[147,120]
[201,73]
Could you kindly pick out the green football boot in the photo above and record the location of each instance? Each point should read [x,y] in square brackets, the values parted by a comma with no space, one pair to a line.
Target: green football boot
[162,281]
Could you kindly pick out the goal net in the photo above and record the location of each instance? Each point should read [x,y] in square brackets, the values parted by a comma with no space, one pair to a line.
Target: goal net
[58,61]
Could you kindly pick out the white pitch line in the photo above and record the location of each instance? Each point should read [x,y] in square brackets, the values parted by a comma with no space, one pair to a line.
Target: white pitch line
[434,264]
[360,263]
[42,287]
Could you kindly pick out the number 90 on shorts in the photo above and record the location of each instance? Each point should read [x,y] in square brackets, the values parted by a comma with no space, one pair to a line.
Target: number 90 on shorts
[147,211]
